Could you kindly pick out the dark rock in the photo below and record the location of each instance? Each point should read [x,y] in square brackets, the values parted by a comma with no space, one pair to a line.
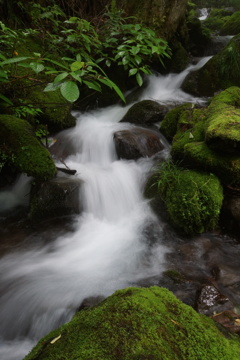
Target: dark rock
[137,142]
[145,112]
[211,300]
[57,197]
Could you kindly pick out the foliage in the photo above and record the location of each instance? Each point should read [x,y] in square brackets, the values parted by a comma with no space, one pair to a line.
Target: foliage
[134,324]
[131,46]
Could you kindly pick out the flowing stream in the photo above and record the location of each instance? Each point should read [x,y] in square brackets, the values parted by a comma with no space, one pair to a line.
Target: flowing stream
[43,285]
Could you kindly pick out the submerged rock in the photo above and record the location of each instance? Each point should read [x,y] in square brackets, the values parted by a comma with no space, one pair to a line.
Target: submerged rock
[54,198]
[137,142]
[138,323]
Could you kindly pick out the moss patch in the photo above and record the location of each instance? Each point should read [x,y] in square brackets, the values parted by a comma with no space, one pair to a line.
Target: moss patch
[134,324]
[232,25]
[18,141]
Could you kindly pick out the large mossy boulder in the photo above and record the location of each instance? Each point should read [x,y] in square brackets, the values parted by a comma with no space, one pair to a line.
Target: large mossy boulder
[219,73]
[22,149]
[223,122]
[193,199]
[208,139]
[134,324]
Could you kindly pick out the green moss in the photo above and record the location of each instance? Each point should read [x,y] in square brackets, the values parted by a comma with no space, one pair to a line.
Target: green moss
[18,141]
[193,199]
[55,109]
[225,166]
[169,125]
[232,25]
[220,72]
[134,324]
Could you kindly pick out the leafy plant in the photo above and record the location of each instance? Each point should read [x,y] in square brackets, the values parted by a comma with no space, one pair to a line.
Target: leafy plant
[131,46]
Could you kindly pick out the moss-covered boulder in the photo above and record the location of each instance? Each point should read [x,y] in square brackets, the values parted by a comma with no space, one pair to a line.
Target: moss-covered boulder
[145,112]
[223,122]
[169,125]
[23,150]
[219,73]
[134,324]
[193,199]
[232,25]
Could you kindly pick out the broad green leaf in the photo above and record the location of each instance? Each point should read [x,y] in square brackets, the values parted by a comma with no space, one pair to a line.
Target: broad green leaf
[135,50]
[4,98]
[79,57]
[70,91]
[52,87]
[139,79]
[36,67]
[76,76]
[138,59]
[60,77]
[112,85]
[14,60]
[125,60]
[77,65]
[93,85]
[108,63]
[155,49]
[132,71]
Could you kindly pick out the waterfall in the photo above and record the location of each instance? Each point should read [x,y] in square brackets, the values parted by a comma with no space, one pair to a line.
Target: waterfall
[43,286]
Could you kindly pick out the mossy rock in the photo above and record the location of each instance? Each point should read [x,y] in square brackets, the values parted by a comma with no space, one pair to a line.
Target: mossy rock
[134,324]
[223,121]
[226,166]
[169,125]
[145,112]
[23,149]
[55,110]
[232,25]
[193,199]
[219,73]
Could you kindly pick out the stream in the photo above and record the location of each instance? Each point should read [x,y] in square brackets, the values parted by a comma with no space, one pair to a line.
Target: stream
[45,278]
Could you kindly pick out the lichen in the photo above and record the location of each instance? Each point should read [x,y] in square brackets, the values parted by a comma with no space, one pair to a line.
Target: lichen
[23,149]
[134,324]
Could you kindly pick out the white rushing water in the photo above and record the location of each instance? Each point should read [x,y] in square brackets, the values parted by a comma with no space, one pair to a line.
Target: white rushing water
[203,14]
[109,249]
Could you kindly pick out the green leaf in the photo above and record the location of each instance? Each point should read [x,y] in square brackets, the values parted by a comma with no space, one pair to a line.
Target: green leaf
[60,77]
[77,65]
[138,59]
[139,79]
[3,74]
[14,60]
[4,98]
[135,50]
[93,85]
[76,76]
[56,63]
[52,87]
[125,60]
[70,91]
[112,85]
[132,71]
[108,63]
[36,67]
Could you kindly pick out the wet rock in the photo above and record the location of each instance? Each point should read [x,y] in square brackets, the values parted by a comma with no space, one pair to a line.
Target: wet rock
[90,302]
[229,320]
[135,143]
[145,112]
[57,197]
[211,300]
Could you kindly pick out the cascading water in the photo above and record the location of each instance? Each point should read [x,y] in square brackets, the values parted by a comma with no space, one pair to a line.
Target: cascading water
[42,287]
